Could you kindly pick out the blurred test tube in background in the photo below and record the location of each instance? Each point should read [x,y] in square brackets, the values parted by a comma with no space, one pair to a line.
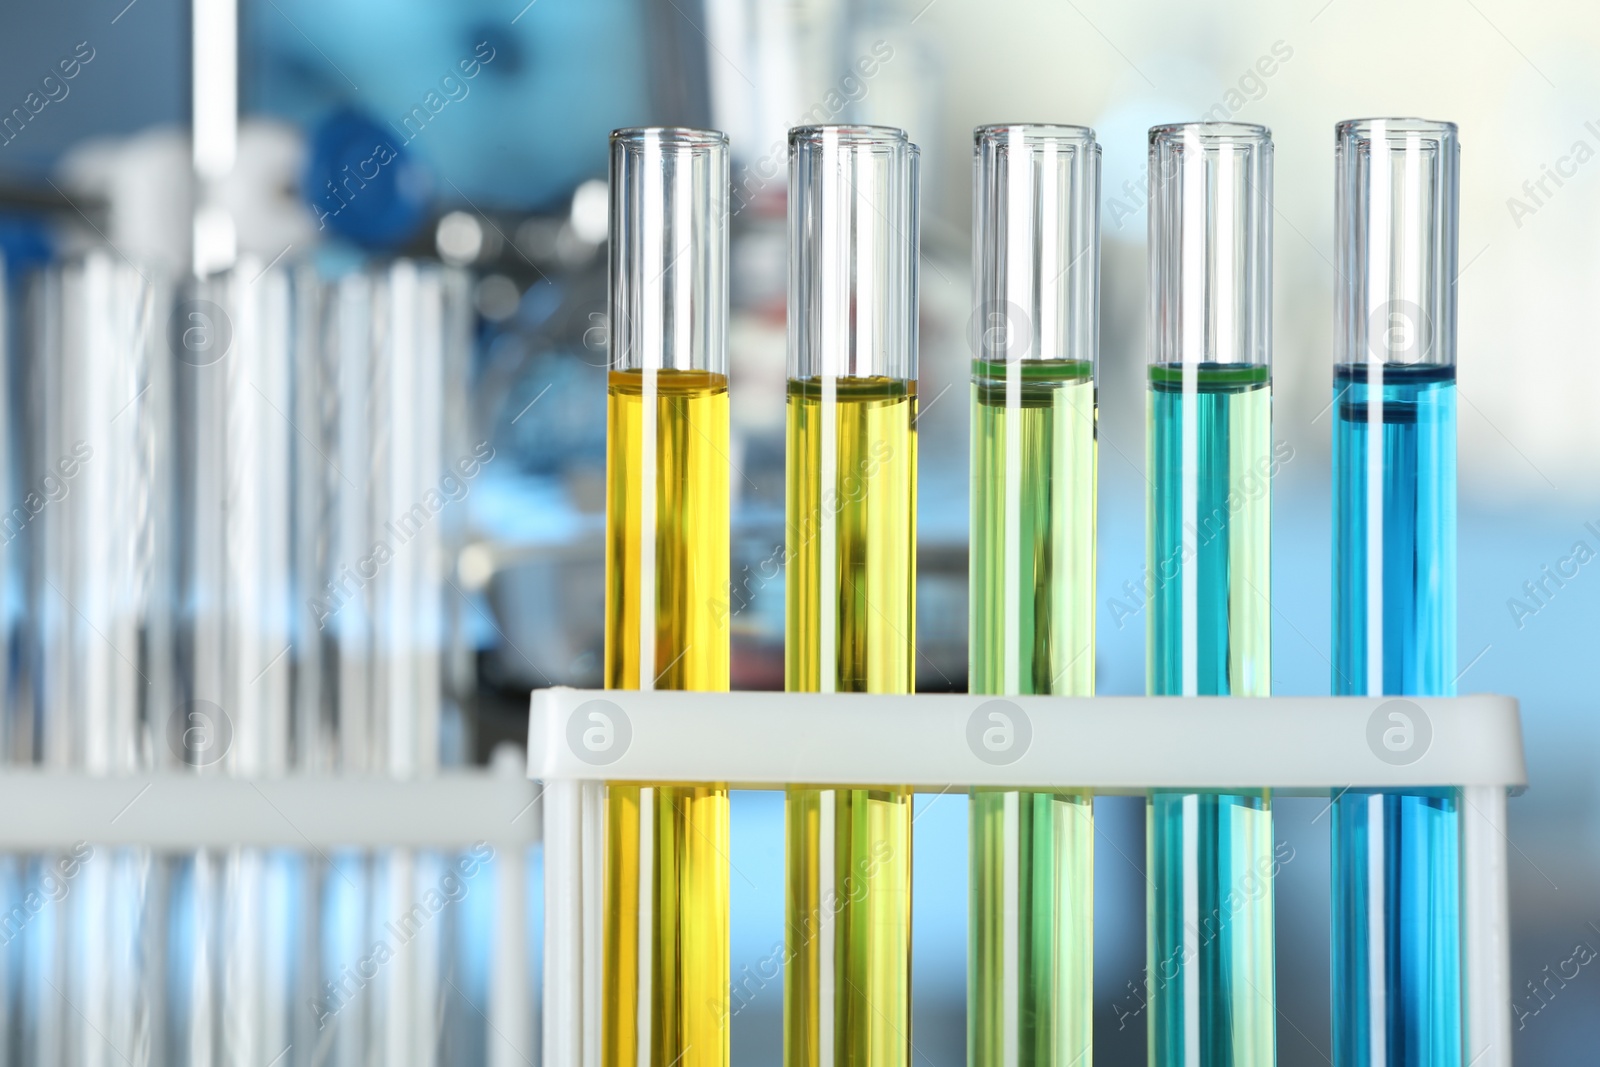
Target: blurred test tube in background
[89,520]
[239,342]
[401,463]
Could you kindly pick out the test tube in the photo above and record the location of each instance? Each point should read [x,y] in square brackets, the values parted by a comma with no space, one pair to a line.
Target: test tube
[90,520]
[237,355]
[1036,266]
[382,479]
[851,581]
[666,989]
[1210,462]
[1396,882]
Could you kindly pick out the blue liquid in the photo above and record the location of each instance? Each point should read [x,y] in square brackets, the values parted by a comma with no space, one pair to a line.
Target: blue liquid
[1396,880]
[1210,857]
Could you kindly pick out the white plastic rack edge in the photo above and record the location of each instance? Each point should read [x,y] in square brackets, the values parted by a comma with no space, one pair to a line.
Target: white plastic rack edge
[1307,745]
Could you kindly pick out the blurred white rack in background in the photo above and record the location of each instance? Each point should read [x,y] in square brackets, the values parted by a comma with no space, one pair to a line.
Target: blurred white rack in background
[178,812]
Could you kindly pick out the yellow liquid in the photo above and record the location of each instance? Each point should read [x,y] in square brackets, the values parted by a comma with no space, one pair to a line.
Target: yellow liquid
[851,573]
[686,826]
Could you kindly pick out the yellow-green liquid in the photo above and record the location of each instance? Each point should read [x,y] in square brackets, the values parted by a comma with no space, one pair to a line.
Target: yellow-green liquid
[852,503]
[1032,631]
[686,884]
[1049,628]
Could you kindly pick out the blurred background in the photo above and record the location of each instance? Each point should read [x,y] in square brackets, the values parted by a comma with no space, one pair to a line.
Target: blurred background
[305,336]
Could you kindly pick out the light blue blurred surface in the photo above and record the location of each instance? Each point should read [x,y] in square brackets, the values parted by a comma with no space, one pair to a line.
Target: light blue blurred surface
[521,133]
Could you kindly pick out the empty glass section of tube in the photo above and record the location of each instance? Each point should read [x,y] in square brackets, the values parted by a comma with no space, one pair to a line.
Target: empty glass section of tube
[851,532]
[1036,280]
[666,846]
[1396,874]
[1210,461]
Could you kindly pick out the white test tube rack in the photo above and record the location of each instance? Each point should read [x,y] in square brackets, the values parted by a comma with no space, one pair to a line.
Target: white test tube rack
[177,811]
[578,740]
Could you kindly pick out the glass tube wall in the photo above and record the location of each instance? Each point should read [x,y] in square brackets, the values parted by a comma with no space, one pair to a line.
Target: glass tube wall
[1036,261]
[1210,461]
[851,581]
[667,527]
[1396,883]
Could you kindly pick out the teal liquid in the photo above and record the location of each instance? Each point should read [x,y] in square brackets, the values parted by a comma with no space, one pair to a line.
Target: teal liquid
[1210,857]
[1035,637]
[1396,874]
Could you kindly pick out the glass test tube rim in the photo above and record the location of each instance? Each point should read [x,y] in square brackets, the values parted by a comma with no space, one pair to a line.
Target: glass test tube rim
[1000,133]
[682,137]
[1212,132]
[853,134]
[1350,128]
